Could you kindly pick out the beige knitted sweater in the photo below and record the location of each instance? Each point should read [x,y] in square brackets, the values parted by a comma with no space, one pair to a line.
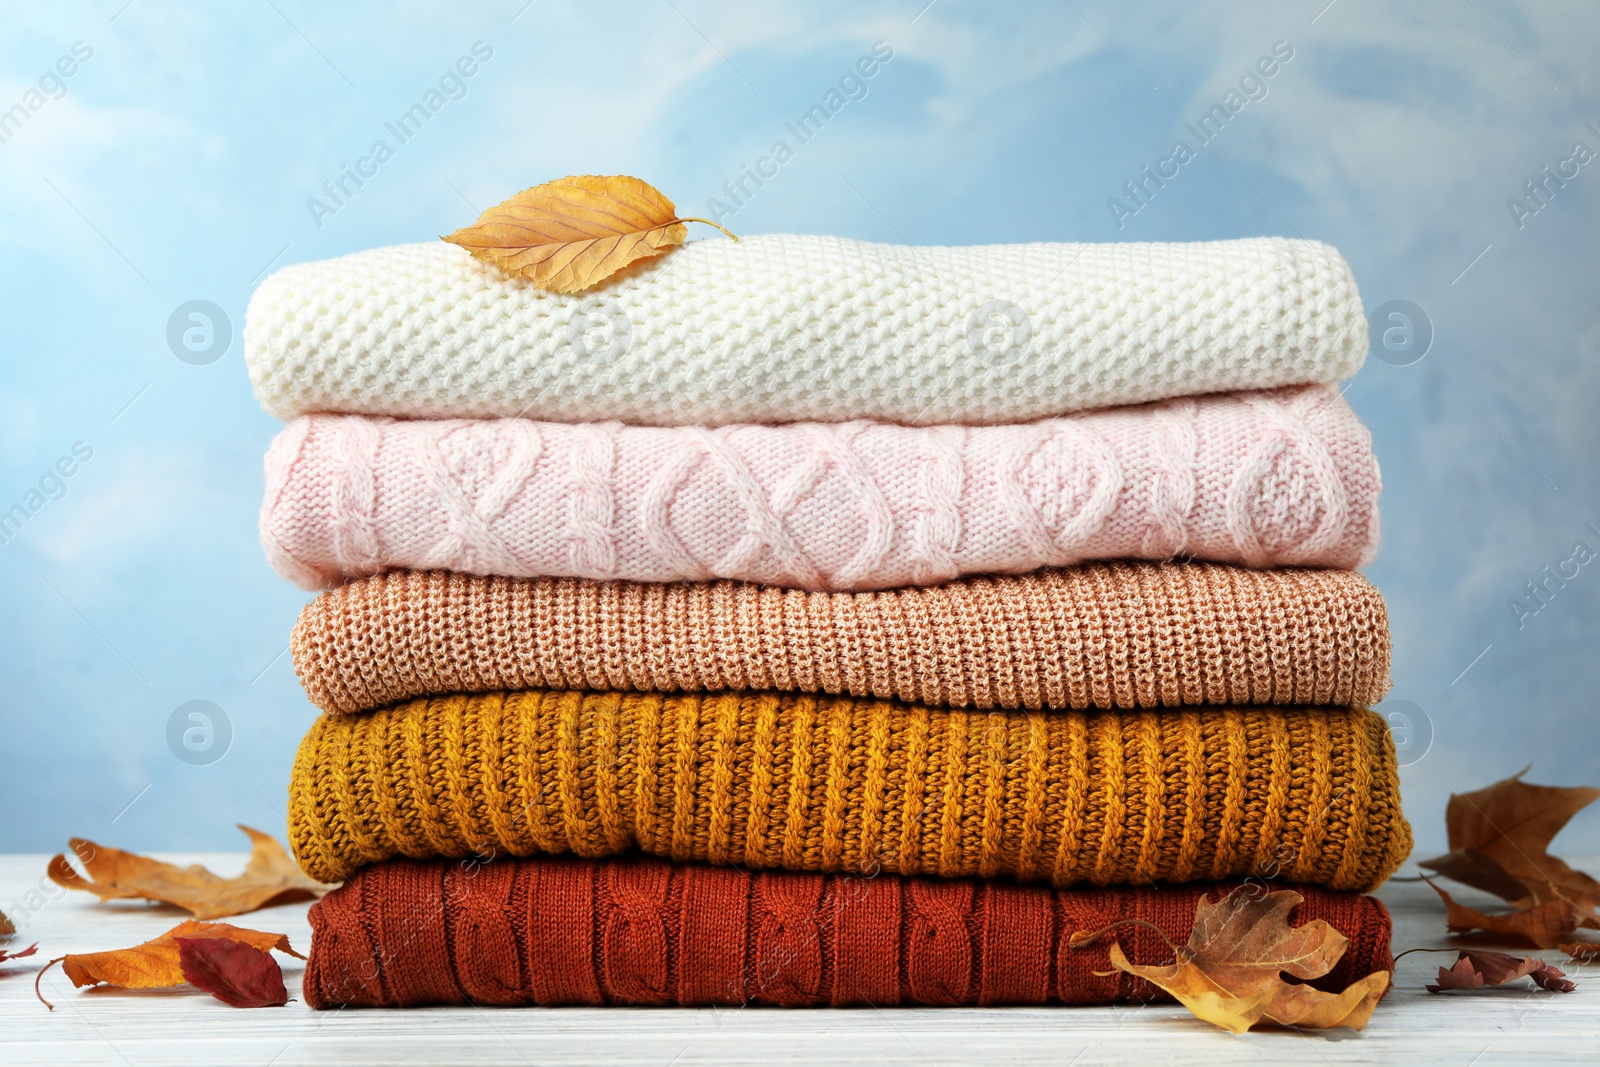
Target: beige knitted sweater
[1115,635]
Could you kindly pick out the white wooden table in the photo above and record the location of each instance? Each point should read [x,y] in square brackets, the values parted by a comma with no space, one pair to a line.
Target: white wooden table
[1517,1025]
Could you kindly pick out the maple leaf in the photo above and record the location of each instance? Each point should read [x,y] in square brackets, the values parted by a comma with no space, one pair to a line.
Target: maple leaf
[1499,842]
[269,878]
[573,233]
[238,974]
[1543,925]
[156,963]
[30,950]
[1582,951]
[1230,973]
[1489,970]
[1471,867]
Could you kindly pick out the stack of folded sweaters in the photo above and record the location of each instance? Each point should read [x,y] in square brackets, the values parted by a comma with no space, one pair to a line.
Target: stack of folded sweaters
[757,628]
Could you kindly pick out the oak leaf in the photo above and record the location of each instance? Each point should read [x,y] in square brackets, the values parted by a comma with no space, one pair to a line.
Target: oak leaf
[573,233]
[157,963]
[268,879]
[1488,970]
[1230,973]
[238,974]
[1499,842]
[1544,925]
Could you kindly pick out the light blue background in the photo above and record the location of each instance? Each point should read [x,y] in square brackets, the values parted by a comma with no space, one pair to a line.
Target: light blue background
[179,162]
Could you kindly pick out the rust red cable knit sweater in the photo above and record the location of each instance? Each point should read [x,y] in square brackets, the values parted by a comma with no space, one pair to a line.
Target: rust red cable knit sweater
[549,931]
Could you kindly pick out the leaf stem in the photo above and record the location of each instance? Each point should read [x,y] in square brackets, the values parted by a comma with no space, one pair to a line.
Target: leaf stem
[40,975]
[1409,951]
[708,222]
[1083,938]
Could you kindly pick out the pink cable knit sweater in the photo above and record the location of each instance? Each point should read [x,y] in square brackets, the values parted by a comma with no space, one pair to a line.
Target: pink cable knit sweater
[1269,478]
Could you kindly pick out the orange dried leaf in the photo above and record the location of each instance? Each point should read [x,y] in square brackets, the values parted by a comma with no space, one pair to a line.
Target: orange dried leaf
[573,233]
[6,926]
[156,963]
[1230,973]
[269,878]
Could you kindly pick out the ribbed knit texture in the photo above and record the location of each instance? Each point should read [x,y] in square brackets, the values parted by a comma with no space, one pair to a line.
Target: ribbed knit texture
[641,931]
[785,328]
[1115,635]
[844,785]
[1264,479]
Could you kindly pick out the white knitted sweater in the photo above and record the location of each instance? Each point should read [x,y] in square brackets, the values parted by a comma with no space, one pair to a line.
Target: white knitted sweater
[788,328]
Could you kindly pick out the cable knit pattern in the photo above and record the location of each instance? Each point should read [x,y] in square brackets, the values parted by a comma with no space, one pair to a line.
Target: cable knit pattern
[795,328]
[1285,477]
[1117,635]
[555,931]
[836,785]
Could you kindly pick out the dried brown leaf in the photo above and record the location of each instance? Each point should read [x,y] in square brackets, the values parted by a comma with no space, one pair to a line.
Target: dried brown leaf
[1230,973]
[269,878]
[1582,951]
[573,233]
[1471,867]
[1544,925]
[1500,836]
[1482,969]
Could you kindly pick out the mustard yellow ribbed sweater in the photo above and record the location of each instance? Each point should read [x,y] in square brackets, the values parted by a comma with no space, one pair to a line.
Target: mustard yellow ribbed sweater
[812,783]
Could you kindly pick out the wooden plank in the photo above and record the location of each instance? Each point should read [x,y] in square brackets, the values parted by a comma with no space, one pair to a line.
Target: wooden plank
[116,1027]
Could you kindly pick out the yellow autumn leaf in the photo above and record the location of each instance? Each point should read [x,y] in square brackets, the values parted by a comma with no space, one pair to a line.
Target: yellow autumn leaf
[573,233]
[1230,974]
[1312,1009]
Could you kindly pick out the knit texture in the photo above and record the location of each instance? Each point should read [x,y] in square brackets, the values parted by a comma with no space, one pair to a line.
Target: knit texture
[1265,479]
[843,785]
[1113,635]
[641,931]
[789,328]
